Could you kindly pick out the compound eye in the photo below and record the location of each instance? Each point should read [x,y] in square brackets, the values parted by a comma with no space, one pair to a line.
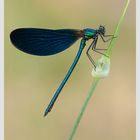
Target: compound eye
[104,30]
[101,27]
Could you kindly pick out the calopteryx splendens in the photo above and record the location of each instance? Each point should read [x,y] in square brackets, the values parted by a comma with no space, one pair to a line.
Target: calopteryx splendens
[44,42]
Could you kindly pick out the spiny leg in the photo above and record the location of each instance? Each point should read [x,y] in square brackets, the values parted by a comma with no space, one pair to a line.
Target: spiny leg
[102,37]
[108,35]
[96,49]
[90,58]
[93,44]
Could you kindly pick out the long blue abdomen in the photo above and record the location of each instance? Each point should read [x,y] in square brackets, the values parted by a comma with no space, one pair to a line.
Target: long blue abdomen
[48,109]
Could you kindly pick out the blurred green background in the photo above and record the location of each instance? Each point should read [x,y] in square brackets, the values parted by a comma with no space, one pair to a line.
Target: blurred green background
[30,81]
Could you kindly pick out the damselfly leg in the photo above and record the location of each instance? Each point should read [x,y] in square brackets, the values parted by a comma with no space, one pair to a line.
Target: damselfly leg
[89,56]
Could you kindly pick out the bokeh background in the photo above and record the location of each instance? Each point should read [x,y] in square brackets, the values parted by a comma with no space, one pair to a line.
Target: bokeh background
[30,81]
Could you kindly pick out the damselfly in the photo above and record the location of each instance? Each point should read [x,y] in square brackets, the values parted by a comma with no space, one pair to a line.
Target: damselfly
[44,42]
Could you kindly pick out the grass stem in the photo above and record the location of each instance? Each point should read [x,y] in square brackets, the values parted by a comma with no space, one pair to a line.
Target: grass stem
[96,81]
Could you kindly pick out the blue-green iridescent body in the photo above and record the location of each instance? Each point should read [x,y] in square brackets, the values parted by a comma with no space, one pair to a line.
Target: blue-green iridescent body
[45,42]
[87,34]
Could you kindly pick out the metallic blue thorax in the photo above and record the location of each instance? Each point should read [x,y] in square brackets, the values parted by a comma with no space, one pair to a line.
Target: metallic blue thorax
[89,33]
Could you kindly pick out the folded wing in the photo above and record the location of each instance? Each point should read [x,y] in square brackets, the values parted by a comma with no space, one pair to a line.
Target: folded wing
[44,41]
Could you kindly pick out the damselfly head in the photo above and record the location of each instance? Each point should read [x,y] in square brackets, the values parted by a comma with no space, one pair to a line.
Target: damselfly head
[102,30]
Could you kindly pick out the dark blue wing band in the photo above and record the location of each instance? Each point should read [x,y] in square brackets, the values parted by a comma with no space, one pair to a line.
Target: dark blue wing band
[44,41]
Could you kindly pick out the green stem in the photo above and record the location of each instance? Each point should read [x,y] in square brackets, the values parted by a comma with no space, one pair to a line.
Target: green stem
[116,33]
[96,81]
